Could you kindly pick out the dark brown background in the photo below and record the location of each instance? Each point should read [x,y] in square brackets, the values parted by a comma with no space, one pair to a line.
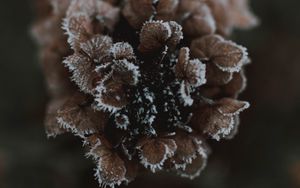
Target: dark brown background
[265,154]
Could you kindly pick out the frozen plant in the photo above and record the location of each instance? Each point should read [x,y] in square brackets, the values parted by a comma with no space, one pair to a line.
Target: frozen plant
[144,83]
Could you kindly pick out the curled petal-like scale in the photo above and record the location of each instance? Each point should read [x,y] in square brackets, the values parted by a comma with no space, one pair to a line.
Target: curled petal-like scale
[230,14]
[122,50]
[189,146]
[83,72]
[77,28]
[191,71]
[87,7]
[153,36]
[138,11]
[230,56]
[220,14]
[215,87]
[111,95]
[86,18]
[241,16]
[217,120]
[192,74]
[194,169]
[112,91]
[97,144]
[111,168]
[230,107]
[235,86]
[195,72]
[154,152]
[77,116]
[107,15]
[97,48]
[217,77]
[235,129]
[125,72]
[103,14]
[226,55]
[200,22]
[212,123]
[176,36]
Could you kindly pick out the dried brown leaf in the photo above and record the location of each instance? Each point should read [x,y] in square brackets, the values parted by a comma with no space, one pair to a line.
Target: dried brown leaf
[77,116]
[226,55]
[111,168]
[194,169]
[217,119]
[235,86]
[189,146]
[97,48]
[155,152]
[153,36]
[200,22]
[83,72]
[217,77]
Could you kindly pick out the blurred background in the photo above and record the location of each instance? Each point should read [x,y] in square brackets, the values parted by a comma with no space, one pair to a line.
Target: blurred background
[265,153]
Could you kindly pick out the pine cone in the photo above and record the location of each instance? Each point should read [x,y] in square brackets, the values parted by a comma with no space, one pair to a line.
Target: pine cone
[144,83]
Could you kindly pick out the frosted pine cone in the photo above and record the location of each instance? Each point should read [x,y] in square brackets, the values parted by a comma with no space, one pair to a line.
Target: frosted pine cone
[144,83]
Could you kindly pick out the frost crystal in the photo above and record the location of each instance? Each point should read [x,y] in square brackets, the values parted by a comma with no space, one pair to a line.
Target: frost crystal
[144,83]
